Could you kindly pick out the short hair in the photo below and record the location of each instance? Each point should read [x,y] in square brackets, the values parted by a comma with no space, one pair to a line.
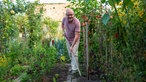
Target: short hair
[69,10]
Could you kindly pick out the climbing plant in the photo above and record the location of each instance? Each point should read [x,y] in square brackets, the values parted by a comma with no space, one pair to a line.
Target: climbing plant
[116,37]
[24,54]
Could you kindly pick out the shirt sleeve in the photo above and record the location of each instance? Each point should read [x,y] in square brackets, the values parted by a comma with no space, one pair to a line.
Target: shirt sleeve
[63,20]
[78,25]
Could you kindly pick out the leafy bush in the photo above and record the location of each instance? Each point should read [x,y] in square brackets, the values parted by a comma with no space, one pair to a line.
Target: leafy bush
[17,70]
[21,28]
[116,37]
[51,27]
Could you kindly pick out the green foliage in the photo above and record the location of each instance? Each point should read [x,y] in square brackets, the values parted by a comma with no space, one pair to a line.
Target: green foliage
[60,45]
[105,18]
[3,70]
[117,50]
[51,26]
[103,1]
[35,23]
[54,79]
[127,3]
[16,70]
[21,31]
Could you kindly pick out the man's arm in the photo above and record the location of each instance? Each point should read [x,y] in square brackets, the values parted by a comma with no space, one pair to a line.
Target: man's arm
[63,27]
[77,34]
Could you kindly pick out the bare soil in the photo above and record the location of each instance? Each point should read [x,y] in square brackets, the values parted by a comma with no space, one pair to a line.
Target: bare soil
[58,72]
[61,70]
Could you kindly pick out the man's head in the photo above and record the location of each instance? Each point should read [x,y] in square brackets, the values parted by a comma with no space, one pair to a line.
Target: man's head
[70,15]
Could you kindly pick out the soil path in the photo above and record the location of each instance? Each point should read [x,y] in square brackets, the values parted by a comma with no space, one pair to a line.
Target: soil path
[60,73]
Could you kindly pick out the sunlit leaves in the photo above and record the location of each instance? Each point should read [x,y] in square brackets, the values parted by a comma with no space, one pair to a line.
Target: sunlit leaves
[102,1]
[111,2]
[125,33]
[127,3]
[87,0]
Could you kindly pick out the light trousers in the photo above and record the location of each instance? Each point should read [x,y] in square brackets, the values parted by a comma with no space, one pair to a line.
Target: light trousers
[74,61]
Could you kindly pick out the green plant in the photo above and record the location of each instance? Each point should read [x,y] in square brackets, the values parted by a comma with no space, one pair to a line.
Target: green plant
[21,28]
[16,70]
[4,66]
[115,35]
[54,79]
[51,26]
[56,75]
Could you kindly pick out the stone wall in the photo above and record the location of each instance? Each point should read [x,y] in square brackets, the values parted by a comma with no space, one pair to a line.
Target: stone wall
[56,11]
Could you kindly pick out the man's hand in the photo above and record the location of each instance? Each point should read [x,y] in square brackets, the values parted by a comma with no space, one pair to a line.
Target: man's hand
[71,49]
[75,40]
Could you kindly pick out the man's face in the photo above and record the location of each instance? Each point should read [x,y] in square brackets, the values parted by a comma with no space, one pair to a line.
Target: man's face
[70,16]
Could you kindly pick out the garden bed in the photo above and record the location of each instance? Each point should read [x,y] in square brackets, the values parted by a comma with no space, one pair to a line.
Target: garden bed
[57,74]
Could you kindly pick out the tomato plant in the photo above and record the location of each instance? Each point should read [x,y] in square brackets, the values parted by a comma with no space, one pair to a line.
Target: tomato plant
[22,45]
[116,37]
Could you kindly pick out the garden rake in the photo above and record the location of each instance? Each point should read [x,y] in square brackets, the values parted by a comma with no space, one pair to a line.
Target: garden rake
[73,58]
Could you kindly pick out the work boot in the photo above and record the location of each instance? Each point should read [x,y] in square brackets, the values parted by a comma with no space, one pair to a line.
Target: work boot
[72,72]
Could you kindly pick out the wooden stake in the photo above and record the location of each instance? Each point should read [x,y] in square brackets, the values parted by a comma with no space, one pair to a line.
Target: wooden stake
[84,42]
[87,52]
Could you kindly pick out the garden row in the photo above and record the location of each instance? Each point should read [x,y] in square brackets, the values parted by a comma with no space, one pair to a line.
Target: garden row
[25,50]
[117,31]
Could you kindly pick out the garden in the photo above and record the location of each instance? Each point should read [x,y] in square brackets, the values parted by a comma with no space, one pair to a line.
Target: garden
[112,46]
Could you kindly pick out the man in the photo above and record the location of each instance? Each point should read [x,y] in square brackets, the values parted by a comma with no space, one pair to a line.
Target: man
[71,30]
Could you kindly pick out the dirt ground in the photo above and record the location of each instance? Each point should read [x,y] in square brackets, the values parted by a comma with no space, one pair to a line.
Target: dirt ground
[57,74]
[60,73]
